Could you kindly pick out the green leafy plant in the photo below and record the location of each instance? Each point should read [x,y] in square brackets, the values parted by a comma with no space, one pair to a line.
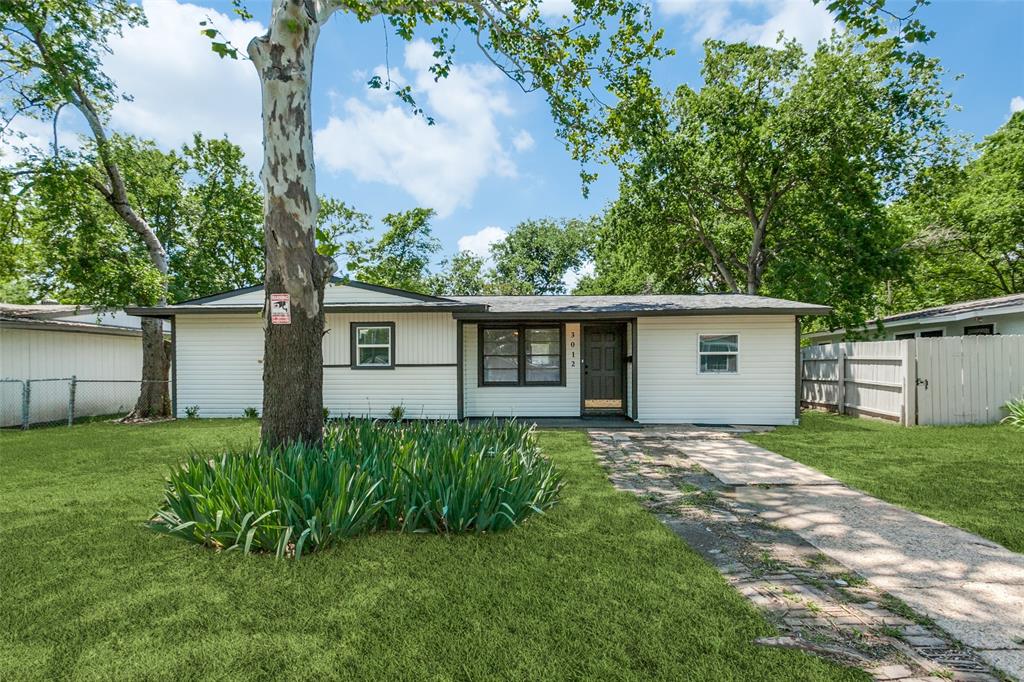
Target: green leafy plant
[1016,416]
[397,413]
[437,477]
[327,414]
[251,413]
[192,412]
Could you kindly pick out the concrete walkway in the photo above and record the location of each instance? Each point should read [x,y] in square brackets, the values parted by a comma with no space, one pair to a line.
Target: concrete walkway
[971,587]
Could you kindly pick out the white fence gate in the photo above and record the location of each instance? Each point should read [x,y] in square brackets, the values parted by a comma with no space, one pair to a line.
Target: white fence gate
[951,380]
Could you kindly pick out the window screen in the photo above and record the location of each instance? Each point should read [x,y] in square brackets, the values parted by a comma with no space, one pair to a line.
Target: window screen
[718,353]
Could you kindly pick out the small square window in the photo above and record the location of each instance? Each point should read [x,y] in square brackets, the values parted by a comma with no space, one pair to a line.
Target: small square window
[718,353]
[373,345]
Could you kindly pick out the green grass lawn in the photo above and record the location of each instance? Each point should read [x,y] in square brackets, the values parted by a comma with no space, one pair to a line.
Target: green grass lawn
[596,589]
[967,476]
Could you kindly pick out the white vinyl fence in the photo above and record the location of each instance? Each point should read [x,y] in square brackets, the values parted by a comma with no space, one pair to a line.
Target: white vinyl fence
[951,380]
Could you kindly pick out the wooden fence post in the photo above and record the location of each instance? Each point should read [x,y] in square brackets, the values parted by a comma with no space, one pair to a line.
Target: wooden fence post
[841,379]
[909,388]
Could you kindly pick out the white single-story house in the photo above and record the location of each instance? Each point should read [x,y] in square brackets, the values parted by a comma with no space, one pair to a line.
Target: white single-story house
[49,343]
[716,359]
[985,316]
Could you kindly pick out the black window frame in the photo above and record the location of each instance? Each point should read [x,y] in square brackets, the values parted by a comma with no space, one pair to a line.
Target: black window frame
[972,330]
[354,349]
[520,354]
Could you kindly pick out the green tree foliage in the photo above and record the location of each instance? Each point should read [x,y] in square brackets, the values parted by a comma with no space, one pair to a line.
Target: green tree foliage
[218,243]
[965,227]
[536,255]
[203,204]
[401,256]
[773,177]
[463,274]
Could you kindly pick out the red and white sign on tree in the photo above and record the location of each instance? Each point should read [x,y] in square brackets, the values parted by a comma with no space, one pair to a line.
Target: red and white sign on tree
[280,309]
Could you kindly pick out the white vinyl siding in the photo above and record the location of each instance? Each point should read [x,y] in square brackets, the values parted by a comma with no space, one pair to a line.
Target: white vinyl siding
[424,392]
[673,391]
[522,401]
[40,354]
[220,366]
[420,338]
[220,363]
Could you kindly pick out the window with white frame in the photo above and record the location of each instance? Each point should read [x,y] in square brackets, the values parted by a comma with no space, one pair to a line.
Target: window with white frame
[718,353]
[373,345]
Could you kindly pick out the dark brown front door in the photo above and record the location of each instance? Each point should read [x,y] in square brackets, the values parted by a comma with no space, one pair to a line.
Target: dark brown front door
[602,368]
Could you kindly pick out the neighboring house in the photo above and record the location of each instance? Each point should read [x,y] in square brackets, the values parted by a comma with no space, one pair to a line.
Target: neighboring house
[714,359]
[56,342]
[1001,315]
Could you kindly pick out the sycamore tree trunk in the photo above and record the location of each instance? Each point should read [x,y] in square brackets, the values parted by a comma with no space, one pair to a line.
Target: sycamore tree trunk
[154,400]
[154,397]
[292,358]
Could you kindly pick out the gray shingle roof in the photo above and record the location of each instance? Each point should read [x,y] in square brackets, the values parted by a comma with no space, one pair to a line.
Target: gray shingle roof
[666,304]
[39,310]
[979,305]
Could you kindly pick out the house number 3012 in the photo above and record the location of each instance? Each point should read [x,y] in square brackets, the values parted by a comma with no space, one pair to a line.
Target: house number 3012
[572,349]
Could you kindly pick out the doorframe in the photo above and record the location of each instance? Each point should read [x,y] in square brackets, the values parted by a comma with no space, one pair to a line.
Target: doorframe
[620,328]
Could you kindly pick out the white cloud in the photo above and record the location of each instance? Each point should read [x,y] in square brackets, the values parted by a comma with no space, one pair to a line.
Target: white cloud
[480,242]
[1016,104]
[573,277]
[179,86]
[800,19]
[378,139]
[556,8]
[523,141]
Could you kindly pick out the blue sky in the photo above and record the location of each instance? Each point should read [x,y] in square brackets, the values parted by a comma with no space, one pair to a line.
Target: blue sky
[492,160]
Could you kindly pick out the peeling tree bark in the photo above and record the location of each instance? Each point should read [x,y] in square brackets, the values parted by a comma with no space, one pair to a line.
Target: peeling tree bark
[154,396]
[293,356]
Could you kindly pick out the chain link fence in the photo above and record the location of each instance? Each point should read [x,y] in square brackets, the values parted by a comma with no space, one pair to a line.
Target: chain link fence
[63,400]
